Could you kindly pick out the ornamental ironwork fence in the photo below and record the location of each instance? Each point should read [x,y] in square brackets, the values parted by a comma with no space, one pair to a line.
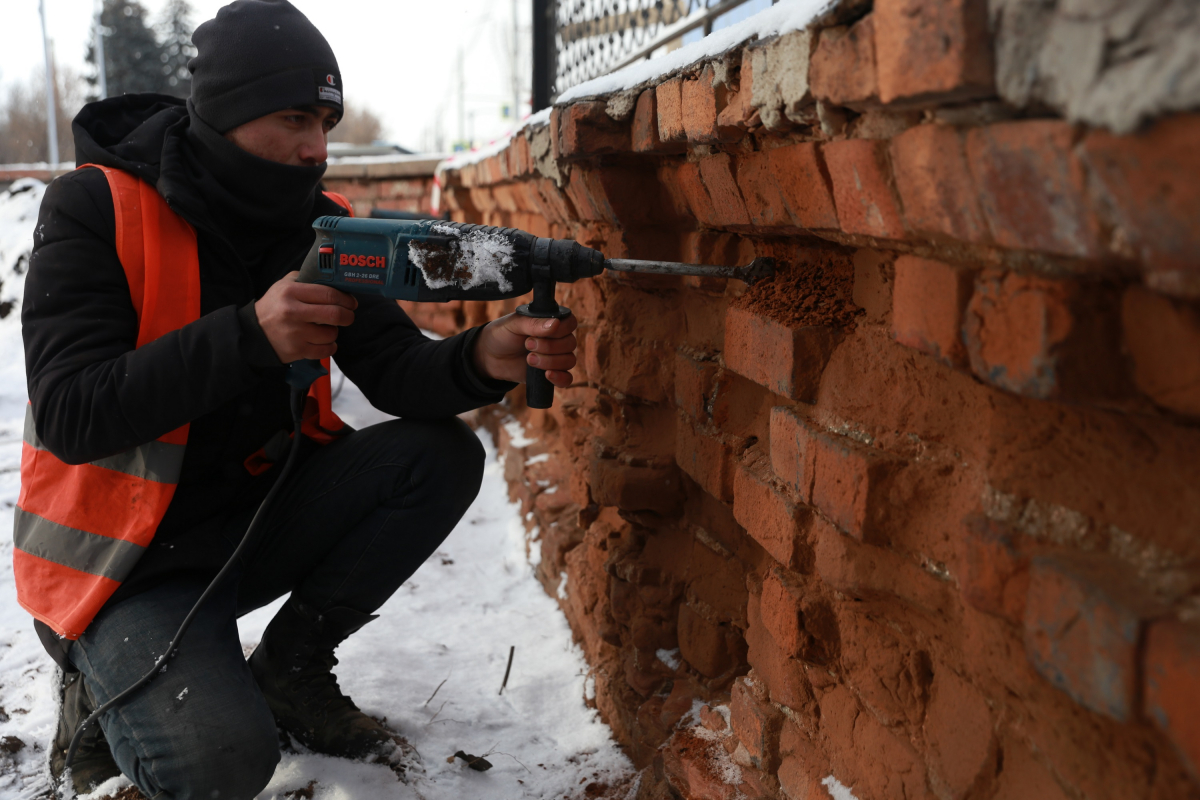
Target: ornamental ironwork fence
[577,40]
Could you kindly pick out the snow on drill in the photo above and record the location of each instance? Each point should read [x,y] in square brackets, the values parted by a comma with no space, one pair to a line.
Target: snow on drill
[436,261]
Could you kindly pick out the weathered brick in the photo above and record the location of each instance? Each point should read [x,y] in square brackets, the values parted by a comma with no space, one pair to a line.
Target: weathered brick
[958,729]
[850,485]
[933,53]
[694,386]
[783,676]
[771,519]
[706,457]
[782,614]
[760,190]
[645,127]
[1172,686]
[702,104]
[696,194]
[728,207]
[862,188]
[669,99]
[586,129]
[935,184]
[997,574]
[1148,184]
[1032,187]
[692,771]
[1083,621]
[1044,337]
[791,453]
[842,70]
[756,724]
[1163,340]
[928,302]
[640,488]
[703,643]
[788,361]
[804,181]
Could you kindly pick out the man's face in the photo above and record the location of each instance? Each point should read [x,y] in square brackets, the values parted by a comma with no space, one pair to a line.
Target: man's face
[294,136]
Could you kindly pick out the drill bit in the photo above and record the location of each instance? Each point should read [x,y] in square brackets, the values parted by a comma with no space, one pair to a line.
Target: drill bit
[751,273]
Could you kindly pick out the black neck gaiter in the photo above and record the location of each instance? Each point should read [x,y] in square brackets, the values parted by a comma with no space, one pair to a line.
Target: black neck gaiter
[247,201]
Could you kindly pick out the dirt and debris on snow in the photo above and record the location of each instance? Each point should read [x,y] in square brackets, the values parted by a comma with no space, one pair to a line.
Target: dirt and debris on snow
[452,624]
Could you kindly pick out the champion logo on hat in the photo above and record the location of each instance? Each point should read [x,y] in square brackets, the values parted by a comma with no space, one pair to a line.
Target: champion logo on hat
[326,94]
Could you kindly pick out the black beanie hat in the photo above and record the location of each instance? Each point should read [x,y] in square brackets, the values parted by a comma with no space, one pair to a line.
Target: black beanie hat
[257,57]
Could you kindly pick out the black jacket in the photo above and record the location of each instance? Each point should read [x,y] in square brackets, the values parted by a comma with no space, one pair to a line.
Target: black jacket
[93,394]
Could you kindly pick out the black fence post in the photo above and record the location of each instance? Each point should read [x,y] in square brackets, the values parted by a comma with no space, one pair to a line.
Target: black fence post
[543,53]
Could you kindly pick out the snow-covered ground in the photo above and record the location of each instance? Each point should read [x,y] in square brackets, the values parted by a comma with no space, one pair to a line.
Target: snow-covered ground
[432,664]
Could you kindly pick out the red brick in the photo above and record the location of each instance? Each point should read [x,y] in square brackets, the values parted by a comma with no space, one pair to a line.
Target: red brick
[772,519]
[1032,187]
[645,127]
[933,52]
[1163,341]
[756,724]
[635,488]
[703,643]
[691,768]
[1083,622]
[997,574]
[783,676]
[728,207]
[1045,338]
[699,106]
[958,731]
[842,70]
[694,386]
[555,204]
[804,181]
[862,188]
[788,361]
[1024,777]
[760,190]
[693,190]
[586,129]
[713,720]
[587,196]
[850,484]
[935,184]
[782,614]
[1172,691]
[928,301]
[1148,184]
[706,457]
[791,453]
[669,97]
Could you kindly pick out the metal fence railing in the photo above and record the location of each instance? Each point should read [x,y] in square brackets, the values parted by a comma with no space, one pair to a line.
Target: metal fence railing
[577,40]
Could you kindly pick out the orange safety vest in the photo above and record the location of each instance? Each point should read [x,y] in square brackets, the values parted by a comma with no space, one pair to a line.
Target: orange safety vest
[80,528]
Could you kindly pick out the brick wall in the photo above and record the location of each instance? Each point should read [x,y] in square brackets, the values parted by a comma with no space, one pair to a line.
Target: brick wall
[923,512]
[397,184]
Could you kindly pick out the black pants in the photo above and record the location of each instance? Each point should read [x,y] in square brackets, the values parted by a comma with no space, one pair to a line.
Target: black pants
[358,518]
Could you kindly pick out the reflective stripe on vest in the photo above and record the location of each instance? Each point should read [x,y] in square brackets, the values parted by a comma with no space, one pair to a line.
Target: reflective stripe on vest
[79,529]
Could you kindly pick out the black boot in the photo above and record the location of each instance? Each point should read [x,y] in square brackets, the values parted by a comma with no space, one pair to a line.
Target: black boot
[293,667]
[93,760]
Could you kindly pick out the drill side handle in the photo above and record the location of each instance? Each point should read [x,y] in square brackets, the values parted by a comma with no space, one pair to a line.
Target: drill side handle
[539,391]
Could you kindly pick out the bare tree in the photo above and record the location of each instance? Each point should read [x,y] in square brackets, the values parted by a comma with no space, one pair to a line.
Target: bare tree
[359,126]
[23,118]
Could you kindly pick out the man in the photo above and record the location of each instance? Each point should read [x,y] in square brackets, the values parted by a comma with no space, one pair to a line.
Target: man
[241,164]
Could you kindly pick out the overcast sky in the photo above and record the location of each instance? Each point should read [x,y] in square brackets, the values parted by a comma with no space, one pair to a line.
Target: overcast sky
[398,57]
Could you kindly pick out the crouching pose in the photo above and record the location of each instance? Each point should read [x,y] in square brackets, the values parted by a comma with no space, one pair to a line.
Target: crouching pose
[160,311]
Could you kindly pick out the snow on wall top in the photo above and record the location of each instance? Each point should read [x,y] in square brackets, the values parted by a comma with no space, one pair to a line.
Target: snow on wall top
[784,17]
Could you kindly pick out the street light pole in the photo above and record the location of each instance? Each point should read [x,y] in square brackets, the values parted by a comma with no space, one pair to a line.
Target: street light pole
[101,71]
[51,106]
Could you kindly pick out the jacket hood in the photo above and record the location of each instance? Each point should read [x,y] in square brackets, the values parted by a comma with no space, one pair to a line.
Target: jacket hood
[129,132]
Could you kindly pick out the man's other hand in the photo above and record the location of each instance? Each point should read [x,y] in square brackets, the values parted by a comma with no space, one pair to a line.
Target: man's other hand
[507,344]
[301,320]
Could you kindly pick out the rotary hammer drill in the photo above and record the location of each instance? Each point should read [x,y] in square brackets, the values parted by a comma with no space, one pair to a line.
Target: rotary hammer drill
[437,261]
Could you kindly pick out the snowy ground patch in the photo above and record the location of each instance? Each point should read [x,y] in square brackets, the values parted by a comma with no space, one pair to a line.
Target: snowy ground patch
[432,664]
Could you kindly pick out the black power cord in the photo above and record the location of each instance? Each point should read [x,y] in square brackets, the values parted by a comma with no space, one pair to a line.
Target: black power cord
[298,394]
